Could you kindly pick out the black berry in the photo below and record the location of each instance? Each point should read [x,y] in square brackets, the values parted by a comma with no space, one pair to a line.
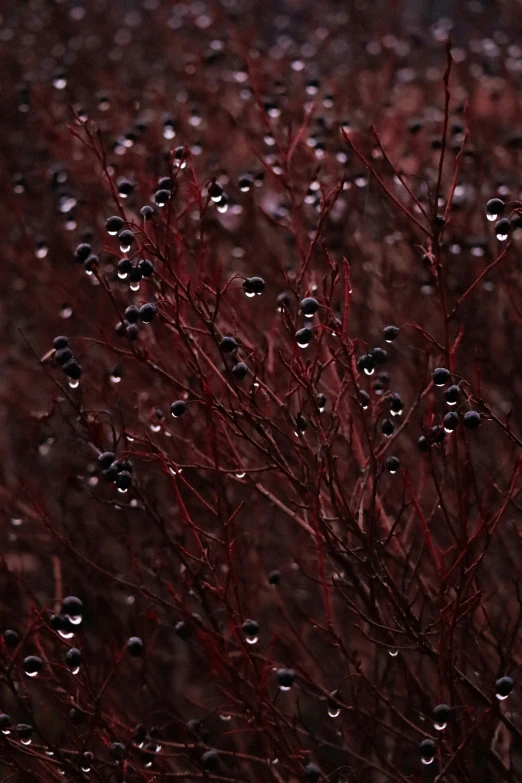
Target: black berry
[61,342]
[239,371]
[148,312]
[441,376]
[178,408]
[228,344]
[390,333]
[309,306]
[135,646]
[392,464]
[114,224]
[472,420]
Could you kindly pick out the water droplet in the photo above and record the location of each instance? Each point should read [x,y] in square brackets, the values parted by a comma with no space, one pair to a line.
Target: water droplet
[502,237]
[16,522]
[122,490]
[250,294]
[304,345]
[66,634]
[115,378]
[369,370]
[491,217]
[334,712]
[65,311]
[427,761]
[155,427]
[74,383]
[225,717]
[134,286]
[393,653]
[27,741]
[75,670]
[284,687]
[74,619]
[252,639]
[500,697]
[32,674]
[122,275]
[240,475]
[440,726]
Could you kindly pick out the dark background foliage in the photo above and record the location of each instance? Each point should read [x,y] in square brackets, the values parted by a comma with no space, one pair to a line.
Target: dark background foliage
[373,134]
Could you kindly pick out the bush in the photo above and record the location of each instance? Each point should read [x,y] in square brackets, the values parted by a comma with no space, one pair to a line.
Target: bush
[261,430]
